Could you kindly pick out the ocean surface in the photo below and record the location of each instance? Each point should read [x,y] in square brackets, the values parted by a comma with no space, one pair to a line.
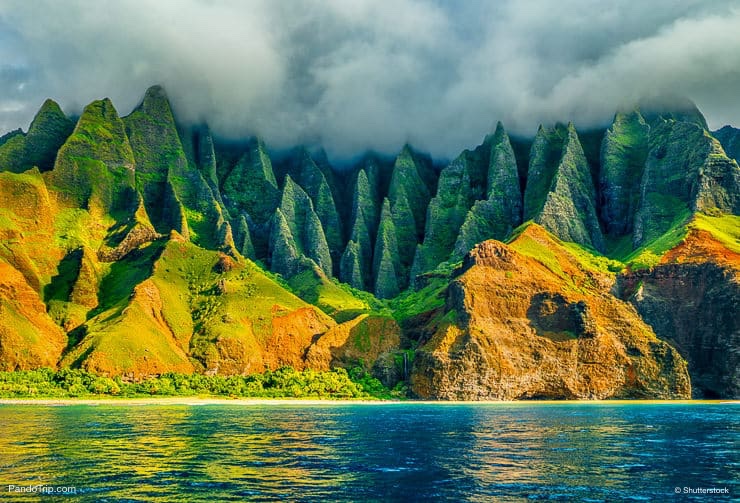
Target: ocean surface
[376,452]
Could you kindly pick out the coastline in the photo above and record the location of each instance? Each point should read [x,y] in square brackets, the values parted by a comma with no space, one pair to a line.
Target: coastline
[252,402]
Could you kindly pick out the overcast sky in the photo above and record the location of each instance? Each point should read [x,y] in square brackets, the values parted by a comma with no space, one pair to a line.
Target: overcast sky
[363,74]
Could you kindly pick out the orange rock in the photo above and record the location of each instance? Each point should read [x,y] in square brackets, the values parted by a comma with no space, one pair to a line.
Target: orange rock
[28,336]
[515,329]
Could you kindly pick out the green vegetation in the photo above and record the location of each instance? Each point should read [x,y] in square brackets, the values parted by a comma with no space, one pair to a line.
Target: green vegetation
[355,266]
[592,259]
[285,382]
[447,210]
[543,158]
[48,131]
[623,154]
[251,186]
[650,253]
[659,215]
[335,299]
[415,302]
[406,240]
[408,179]
[501,211]
[526,245]
[386,261]
[144,250]
[724,228]
[313,181]
[546,253]
[94,166]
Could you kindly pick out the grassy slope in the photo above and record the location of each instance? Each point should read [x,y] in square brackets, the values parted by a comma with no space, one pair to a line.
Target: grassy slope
[725,229]
[26,226]
[155,299]
[335,299]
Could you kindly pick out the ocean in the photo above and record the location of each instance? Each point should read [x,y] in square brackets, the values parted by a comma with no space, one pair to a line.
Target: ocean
[529,451]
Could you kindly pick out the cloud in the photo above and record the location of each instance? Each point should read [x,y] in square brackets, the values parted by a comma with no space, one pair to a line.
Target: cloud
[362,74]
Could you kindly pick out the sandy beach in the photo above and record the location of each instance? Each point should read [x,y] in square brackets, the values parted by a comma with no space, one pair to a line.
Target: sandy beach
[195,401]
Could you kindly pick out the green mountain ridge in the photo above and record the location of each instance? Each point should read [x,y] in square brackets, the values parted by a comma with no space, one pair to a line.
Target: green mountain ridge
[153,247]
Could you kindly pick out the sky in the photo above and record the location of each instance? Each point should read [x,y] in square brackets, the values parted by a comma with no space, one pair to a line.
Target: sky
[354,75]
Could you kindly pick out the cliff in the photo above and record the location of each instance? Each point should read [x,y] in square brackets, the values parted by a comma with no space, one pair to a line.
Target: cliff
[138,245]
[518,327]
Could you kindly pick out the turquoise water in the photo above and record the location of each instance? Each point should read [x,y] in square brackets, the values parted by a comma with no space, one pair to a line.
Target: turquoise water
[387,452]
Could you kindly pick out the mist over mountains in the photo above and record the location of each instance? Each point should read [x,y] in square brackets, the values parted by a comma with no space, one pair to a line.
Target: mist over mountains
[372,75]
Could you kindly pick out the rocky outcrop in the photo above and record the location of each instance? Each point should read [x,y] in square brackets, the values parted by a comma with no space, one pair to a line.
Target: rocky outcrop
[411,178]
[243,239]
[460,185]
[351,266]
[360,341]
[161,162]
[156,147]
[308,175]
[355,267]
[410,190]
[365,200]
[515,329]
[406,238]
[128,236]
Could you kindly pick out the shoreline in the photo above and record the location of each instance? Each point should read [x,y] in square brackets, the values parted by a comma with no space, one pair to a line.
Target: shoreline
[197,401]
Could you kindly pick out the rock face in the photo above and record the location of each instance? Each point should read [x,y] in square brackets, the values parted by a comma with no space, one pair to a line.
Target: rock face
[691,300]
[250,188]
[411,187]
[623,153]
[514,329]
[297,234]
[162,165]
[560,194]
[312,180]
[460,184]
[729,137]
[478,198]
[386,260]
[501,211]
[361,340]
[686,170]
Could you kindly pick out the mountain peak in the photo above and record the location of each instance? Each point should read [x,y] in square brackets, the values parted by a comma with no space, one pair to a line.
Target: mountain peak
[50,107]
[156,90]
[156,104]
